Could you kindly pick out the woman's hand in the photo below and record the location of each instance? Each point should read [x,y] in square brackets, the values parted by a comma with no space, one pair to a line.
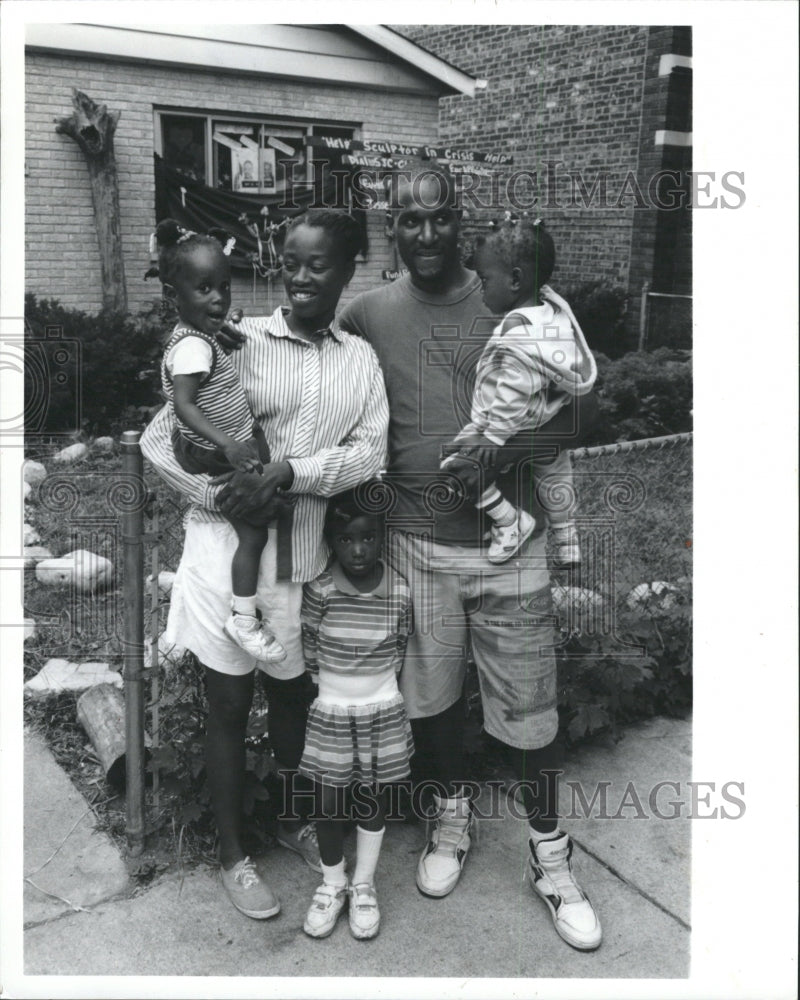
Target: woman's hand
[253,497]
[481,449]
[228,337]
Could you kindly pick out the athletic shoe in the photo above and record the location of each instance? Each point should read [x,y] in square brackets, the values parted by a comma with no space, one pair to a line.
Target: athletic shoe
[441,862]
[253,636]
[247,892]
[327,904]
[551,878]
[365,917]
[302,841]
[565,544]
[508,540]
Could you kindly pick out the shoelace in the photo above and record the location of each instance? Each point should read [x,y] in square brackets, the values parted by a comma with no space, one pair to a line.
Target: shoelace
[450,834]
[561,877]
[246,876]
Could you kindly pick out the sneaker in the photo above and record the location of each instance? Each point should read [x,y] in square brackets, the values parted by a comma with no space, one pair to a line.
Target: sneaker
[440,866]
[508,540]
[565,544]
[247,892]
[253,636]
[365,917]
[302,841]
[327,904]
[552,879]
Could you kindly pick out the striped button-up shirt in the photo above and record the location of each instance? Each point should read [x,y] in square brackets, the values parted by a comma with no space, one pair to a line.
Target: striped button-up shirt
[323,409]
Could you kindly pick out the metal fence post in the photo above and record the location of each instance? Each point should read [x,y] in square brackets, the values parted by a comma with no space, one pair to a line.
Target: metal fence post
[643,316]
[132,518]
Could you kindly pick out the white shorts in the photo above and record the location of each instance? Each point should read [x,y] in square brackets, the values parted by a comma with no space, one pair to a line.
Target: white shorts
[201,603]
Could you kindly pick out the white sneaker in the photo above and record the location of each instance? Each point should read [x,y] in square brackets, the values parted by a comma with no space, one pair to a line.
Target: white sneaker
[508,539]
[327,904]
[365,917]
[254,637]
[552,879]
[441,862]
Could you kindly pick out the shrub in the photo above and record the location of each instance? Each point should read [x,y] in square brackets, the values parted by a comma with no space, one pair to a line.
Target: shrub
[118,378]
[600,309]
[642,395]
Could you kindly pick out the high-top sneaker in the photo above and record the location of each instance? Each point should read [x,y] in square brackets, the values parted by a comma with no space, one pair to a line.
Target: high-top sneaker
[446,851]
[551,878]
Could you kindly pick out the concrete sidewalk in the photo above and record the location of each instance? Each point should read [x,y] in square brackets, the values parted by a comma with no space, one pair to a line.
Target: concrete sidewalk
[635,870]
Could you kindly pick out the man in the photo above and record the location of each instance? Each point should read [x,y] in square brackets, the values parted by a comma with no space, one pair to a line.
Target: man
[428,330]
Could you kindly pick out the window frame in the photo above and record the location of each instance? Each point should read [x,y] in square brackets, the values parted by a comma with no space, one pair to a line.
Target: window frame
[309,127]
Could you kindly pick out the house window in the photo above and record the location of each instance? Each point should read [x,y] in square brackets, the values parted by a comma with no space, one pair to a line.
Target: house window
[243,155]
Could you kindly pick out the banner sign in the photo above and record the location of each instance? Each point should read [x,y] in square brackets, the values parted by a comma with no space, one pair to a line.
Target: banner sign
[387,152]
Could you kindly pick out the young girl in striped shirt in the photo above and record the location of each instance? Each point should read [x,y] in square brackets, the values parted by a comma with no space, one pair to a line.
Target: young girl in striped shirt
[215,432]
[356,617]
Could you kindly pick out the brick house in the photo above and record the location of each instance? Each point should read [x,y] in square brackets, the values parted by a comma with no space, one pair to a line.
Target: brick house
[587,108]
[190,95]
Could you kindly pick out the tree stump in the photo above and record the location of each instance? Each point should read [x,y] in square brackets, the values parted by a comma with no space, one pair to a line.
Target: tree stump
[101,712]
[92,126]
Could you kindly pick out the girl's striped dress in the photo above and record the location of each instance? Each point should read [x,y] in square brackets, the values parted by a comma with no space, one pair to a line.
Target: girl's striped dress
[357,729]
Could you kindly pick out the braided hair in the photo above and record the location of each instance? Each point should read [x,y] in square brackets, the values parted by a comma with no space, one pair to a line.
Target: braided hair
[344,231]
[173,243]
[522,242]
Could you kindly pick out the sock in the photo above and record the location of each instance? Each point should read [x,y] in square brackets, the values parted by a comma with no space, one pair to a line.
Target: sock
[368,848]
[537,836]
[454,808]
[502,513]
[490,496]
[334,874]
[244,605]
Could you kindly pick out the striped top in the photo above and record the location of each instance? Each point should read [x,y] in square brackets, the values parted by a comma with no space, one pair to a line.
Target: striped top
[323,408]
[220,395]
[355,642]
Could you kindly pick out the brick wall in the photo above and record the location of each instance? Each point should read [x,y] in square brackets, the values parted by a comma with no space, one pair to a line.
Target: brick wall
[62,256]
[591,98]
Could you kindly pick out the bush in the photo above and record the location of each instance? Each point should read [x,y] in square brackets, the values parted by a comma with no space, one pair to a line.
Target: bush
[118,377]
[600,309]
[642,395]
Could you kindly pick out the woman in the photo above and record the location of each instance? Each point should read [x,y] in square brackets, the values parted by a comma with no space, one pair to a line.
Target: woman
[318,393]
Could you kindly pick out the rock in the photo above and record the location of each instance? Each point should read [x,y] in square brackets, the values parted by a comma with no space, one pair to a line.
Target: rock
[579,600]
[72,453]
[61,675]
[166,578]
[654,597]
[29,628]
[30,536]
[33,472]
[103,444]
[27,489]
[83,568]
[34,554]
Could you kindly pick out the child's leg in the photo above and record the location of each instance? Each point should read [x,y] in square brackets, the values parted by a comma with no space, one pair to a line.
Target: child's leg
[495,505]
[365,917]
[245,564]
[331,896]
[243,626]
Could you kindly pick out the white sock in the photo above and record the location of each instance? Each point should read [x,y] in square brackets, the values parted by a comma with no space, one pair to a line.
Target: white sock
[334,874]
[536,836]
[244,605]
[368,848]
[503,514]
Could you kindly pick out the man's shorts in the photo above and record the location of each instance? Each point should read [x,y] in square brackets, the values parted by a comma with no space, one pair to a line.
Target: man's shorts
[201,603]
[504,613]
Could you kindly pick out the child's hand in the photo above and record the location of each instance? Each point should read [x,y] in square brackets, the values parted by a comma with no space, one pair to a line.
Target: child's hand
[481,449]
[229,338]
[243,456]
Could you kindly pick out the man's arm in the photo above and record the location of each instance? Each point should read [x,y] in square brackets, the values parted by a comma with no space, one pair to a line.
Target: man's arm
[157,449]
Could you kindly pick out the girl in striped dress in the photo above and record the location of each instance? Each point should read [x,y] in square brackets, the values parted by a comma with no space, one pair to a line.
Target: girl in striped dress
[356,617]
[215,432]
